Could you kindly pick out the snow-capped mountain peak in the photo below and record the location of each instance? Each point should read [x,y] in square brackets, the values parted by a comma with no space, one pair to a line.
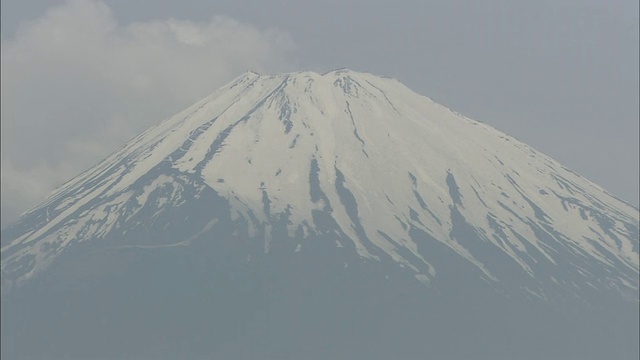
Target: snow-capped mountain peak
[364,153]
[313,216]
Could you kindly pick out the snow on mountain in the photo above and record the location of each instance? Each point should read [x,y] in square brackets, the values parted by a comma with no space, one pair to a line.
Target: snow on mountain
[381,160]
[338,216]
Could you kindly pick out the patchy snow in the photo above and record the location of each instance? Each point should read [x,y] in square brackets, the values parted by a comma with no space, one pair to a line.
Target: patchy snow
[384,158]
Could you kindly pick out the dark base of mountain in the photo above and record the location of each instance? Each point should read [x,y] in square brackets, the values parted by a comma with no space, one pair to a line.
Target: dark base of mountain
[196,303]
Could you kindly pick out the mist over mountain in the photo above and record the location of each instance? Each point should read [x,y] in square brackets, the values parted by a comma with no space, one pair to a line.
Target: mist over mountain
[323,216]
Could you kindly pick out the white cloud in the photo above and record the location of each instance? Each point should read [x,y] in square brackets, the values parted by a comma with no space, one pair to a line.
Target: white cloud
[76,84]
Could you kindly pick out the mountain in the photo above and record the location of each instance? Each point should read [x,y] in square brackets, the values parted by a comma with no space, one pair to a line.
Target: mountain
[310,216]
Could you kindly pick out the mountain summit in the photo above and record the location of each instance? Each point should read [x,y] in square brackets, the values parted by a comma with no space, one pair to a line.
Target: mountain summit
[335,216]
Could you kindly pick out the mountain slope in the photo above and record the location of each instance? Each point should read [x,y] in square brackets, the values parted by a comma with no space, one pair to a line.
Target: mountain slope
[345,170]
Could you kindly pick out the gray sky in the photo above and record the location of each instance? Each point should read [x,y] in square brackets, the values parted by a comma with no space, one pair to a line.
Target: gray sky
[80,78]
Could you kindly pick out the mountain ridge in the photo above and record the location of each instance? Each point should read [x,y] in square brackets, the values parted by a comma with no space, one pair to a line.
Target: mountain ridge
[275,94]
[304,181]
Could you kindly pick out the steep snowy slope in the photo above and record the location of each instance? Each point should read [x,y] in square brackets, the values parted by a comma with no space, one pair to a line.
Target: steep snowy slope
[379,158]
[343,171]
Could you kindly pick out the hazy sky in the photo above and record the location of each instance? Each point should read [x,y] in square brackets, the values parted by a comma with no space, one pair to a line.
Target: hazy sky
[80,78]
